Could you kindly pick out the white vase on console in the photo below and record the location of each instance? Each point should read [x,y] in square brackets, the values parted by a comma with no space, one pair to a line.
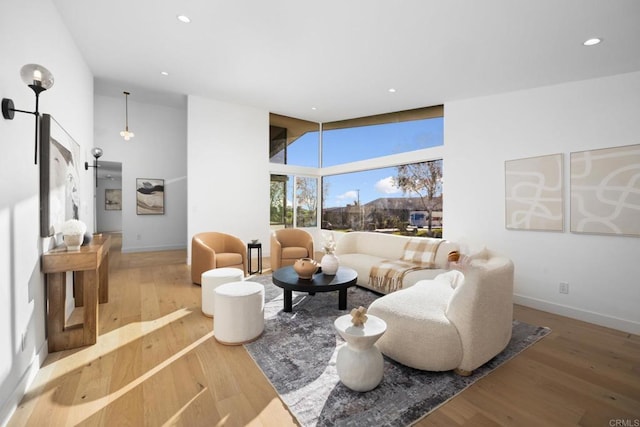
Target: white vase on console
[73,234]
[329,264]
[73,241]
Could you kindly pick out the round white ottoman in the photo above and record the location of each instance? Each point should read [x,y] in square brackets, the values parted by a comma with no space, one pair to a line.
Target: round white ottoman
[239,308]
[212,279]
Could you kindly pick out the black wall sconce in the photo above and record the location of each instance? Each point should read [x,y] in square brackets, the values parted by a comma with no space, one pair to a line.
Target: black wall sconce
[39,79]
[96,153]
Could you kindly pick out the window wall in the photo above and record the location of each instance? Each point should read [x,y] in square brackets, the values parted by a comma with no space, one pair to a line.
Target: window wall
[393,195]
[293,141]
[382,135]
[281,215]
[401,199]
[294,201]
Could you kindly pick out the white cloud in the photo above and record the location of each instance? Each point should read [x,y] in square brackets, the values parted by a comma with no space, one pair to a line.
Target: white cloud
[348,196]
[386,186]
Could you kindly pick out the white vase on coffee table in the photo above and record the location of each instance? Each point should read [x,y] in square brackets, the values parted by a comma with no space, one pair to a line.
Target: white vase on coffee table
[329,264]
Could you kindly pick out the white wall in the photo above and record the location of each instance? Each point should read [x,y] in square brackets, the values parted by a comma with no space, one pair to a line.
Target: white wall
[158,151]
[228,166]
[481,133]
[32,32]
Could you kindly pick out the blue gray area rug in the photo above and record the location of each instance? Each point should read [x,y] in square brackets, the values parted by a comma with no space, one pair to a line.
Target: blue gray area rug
[297,353]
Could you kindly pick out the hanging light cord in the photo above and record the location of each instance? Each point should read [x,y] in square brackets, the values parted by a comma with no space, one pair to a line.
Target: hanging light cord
[125,133]
[126,111]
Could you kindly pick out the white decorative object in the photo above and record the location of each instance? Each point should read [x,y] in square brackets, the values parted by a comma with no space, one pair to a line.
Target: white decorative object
[328,243]
[329,264]
[329,261]
[239,312]
[211,279]
[73,234]
[359,363]
[73,241]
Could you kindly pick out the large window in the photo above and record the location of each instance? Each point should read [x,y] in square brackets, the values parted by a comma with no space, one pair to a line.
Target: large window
[293,141]
[377,136]
[293,194]
[401,199]
[281,215]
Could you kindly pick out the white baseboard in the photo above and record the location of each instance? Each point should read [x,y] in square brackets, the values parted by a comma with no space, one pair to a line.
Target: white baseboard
[624,325]
[10,406]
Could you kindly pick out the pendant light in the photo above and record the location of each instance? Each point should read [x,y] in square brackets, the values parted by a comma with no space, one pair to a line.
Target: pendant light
[125,133]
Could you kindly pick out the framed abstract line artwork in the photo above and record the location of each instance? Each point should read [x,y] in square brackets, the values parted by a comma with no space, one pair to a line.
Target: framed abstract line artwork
[149,196]
[534,193]
[113,199]
[605,191]
[59,176]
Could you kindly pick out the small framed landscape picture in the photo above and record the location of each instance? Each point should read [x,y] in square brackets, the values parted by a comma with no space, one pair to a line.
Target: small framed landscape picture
[149,196]
[113,199]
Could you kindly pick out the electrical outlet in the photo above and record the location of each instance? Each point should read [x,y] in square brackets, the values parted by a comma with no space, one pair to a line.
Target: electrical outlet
[564,288]
[139,236]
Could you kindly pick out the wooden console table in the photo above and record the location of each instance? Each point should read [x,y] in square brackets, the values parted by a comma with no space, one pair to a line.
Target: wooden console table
[90,266]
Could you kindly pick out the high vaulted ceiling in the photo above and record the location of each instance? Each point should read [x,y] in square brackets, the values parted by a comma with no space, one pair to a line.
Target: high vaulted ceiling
[337,59]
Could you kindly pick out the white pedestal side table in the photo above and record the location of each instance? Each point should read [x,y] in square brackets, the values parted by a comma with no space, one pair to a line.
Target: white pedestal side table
[359,362]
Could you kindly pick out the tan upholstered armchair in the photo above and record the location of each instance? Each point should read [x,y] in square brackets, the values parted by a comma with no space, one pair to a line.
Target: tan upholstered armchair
[215,250]
[288,245]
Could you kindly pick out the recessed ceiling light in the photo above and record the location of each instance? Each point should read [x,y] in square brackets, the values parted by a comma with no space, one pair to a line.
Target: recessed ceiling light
[164,73]
[392,90]
[592,42]
[184,18]
[314,108]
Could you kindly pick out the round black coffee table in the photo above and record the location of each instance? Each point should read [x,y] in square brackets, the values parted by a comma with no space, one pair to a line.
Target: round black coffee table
[287,279]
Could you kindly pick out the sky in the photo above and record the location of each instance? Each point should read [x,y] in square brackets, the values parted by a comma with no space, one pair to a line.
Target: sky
[365,142]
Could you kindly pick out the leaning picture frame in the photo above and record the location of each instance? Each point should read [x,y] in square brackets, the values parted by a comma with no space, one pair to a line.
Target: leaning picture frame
[149,196]
[59,176]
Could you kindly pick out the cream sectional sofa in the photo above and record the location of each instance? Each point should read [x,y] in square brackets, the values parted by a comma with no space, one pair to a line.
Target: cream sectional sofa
[361,250]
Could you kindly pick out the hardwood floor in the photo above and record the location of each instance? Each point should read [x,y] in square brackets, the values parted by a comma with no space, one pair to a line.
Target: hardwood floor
[156,363]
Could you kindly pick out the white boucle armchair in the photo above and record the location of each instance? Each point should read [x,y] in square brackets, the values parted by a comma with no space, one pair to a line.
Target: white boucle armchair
[459,320]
